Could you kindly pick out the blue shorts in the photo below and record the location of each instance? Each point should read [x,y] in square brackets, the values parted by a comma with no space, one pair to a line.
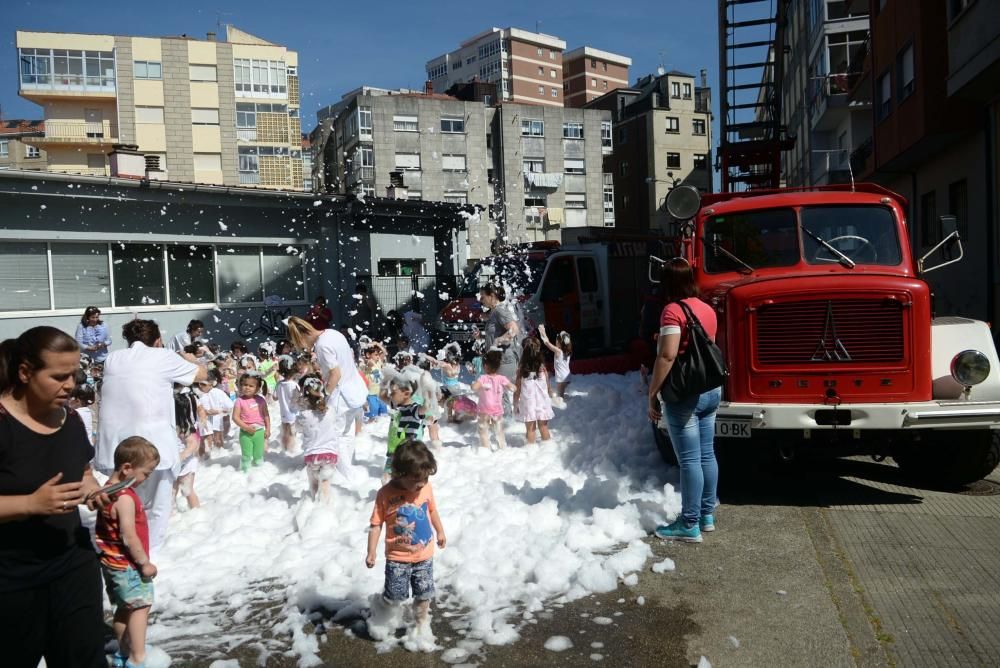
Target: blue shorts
[401,576]
[127,589]
[376,407]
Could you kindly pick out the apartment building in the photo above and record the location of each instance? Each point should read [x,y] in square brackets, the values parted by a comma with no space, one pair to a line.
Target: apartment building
[14,152]
[527,67]
[533,170]
[589,73]
[662,137]
[209,111]
[825,44]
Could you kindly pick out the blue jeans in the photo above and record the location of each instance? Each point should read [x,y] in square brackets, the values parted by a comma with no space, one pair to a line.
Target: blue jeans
[691,425]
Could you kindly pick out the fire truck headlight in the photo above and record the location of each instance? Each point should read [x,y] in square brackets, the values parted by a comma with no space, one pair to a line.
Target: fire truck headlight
[970,367]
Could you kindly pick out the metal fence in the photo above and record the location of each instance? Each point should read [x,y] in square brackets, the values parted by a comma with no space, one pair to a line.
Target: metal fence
[396,293]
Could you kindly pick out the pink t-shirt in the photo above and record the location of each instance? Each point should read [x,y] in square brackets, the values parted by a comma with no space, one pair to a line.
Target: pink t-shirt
[252,410]
[491,387]
[673,320]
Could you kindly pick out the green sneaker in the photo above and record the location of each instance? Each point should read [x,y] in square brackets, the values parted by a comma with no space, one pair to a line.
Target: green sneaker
[677,531]
[707,523]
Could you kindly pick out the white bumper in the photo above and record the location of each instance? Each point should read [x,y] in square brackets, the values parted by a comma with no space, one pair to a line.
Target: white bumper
[925,415]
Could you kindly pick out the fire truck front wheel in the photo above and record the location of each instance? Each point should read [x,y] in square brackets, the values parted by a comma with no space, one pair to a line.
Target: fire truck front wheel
[951,458]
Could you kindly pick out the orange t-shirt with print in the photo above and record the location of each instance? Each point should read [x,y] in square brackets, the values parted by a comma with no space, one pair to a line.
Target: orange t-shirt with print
[409,536]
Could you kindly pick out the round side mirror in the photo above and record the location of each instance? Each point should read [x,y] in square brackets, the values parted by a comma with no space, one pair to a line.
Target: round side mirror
[683,202]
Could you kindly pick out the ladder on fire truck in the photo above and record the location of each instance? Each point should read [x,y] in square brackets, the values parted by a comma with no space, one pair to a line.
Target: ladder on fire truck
[752,135]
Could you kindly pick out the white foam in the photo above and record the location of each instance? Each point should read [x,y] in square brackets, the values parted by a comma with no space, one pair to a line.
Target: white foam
[558,644]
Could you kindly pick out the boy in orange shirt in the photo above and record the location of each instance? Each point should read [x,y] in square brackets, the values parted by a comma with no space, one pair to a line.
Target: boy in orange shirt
[406,506]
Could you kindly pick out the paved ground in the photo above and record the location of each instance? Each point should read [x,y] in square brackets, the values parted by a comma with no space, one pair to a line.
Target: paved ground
[835,563]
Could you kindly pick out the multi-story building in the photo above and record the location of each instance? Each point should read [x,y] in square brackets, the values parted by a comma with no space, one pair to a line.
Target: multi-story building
[527,67]
[662,138]
[223,112]
[825,39]
[929,79]
[307,163]
[533,170]
[14,152]
[589,73]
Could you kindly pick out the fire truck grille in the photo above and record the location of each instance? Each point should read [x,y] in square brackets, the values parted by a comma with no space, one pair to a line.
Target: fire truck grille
[841,331]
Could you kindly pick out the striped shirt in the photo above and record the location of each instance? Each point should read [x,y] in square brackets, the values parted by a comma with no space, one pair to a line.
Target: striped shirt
[410,422]
[108,535]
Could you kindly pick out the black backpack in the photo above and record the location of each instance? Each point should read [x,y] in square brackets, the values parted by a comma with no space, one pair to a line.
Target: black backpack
[700,368]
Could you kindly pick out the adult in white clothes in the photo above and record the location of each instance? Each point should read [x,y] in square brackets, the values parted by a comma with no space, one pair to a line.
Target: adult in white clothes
[346,390]
[137,400]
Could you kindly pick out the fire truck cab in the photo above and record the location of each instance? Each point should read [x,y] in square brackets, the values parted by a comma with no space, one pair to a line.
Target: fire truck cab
[828,330]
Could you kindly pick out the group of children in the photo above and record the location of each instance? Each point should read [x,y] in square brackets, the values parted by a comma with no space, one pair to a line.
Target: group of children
[239,391]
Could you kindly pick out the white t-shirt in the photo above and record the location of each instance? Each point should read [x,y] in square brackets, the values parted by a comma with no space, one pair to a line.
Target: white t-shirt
[319,436]
[87,417]
[561,364]
[137,400]
[180,341]
[220,401]
[332,352]
[288,393]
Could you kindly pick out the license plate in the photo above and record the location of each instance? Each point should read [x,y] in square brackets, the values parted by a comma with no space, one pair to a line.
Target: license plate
[732,428]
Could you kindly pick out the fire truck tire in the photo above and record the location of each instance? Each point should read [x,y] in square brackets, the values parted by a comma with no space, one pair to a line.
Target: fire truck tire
[952,459]
[663,444]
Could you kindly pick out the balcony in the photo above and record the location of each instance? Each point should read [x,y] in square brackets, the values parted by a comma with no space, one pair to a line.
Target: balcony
[248,178]
[78,86]
[828,102]
[94,133]
[551,180]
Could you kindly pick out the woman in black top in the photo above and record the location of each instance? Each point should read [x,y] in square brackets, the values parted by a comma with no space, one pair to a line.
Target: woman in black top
[50,583]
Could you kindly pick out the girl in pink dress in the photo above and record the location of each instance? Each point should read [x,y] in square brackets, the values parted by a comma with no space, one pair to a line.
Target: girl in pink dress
[531,393]
[490,388]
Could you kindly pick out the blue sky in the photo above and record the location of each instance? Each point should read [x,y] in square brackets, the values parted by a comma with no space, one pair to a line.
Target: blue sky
[343,45]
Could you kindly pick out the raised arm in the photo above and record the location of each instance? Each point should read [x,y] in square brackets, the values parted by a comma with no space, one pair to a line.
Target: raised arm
[545,340]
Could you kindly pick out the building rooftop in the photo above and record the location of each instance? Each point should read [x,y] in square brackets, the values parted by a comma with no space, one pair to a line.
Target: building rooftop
[591,52]
[19,126]
[233,36]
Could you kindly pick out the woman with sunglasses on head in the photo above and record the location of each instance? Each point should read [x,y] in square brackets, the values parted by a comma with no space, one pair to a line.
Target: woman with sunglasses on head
[92,335]
[691,420]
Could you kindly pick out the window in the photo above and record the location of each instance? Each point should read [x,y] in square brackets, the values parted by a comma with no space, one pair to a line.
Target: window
[552,55]
[573,130]
[884,97]
[4,148]
[491,49]
[205,116]
[408,161]
[80,275]
[532,128]
[675,89]
[576,201]
[400,267]
[623,168]
[191,270]
[149,115]
[95,161]
[246,118]
[609,202]
[904,73]
[368,157]
[552,74]
[282,270]
[365,121]
[536,165]
[539,51]
[541,71]
[453,163]
[606,134]
[31,151]
[700,161]
[698,126]
[687,91]
[555,92]
[437,71]
[67,69]
[673,160]
[148,69]
[454,125]
[593,63]
[534,199]
[593,83]
[574,166]
[541,90]
[930,230]
[249,166]
[673,125]
[207,162]
[24,277]
[203,73]
[138,274]
[405,124]
[604,84]
[261,78]
[456,198]
[239,275]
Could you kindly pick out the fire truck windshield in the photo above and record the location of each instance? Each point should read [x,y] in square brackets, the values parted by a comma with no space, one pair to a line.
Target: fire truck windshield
[750,240]
[518,275]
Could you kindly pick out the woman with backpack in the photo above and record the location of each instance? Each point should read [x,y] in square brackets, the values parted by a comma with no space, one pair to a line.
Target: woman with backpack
[690,420]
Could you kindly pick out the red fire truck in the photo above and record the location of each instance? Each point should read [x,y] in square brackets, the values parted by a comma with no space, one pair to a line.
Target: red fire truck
[829,333]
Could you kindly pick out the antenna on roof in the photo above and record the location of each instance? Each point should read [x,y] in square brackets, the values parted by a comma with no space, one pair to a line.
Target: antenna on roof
[538,26]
